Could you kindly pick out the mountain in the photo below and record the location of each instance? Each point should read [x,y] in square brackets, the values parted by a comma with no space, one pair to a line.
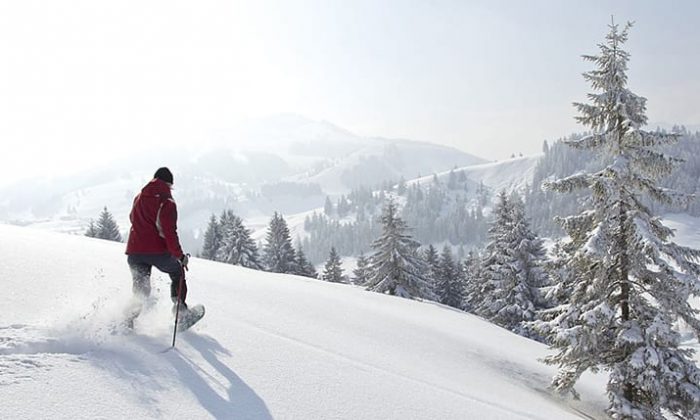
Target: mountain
[283,163]
[270,346]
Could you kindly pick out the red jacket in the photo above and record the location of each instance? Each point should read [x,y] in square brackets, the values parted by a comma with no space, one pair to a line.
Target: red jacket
[154,222]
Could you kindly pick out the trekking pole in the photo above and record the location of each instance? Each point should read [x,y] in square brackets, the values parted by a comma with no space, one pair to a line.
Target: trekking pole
[177,306]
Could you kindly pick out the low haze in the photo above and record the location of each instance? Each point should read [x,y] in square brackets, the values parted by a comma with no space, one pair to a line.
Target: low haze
[84,82]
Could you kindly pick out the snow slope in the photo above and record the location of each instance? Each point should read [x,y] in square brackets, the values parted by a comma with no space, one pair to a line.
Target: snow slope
[271,346]
[510,174]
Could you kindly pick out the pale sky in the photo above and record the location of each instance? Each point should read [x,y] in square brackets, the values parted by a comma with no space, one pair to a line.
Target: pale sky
[85,79]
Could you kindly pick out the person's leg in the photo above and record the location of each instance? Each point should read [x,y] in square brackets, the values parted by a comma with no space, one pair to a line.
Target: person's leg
[170,265]
[141,287]
[141,274]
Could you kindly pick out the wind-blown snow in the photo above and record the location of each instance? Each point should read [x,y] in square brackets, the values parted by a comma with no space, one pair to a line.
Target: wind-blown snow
[270,346]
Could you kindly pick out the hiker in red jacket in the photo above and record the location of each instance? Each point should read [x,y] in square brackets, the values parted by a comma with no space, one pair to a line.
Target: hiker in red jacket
[153,241]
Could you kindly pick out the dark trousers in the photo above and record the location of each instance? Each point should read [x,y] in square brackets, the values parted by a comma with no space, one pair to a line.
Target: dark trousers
[141,264]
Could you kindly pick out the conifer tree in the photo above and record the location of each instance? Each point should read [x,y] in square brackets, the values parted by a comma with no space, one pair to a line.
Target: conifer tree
[278,251]
[629,282]
[450,289]
[237,247]
[513,273]
[361,272]
[471,272]
[107,228]
[303,266]
[212,239]
[432,259]
[333,271]
[395,267]
[526,295]
[495,265]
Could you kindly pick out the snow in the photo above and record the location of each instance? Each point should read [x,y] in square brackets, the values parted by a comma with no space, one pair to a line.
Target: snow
[511,174]
[270,346]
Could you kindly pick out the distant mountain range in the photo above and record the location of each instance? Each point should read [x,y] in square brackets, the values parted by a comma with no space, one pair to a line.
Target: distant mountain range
[284,163]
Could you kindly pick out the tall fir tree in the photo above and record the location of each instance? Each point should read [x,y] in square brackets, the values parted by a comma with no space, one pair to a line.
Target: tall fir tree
[278,252]
[107,228]
[333,270]
[360,275]
[237,247]
[212,239]
[450,288]
[395,268]
[629,282]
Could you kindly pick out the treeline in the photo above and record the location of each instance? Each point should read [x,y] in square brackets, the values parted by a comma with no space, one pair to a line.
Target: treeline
[506,282]
[227,240]
[440,210]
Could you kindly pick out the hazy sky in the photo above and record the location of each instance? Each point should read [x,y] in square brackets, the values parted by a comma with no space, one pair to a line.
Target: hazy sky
[84,79]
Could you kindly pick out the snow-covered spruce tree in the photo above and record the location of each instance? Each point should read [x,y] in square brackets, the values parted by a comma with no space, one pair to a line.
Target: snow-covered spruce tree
[513,274]
[450,288]
[361,273]
[107,228]
[237,247]
[333,271]
[495,264]
[278,252]
[212,239]
[303,266]
[395,267]
[528,292]
[629,282]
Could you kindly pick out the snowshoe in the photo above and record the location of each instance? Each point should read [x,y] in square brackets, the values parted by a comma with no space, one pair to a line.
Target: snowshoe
[189,316]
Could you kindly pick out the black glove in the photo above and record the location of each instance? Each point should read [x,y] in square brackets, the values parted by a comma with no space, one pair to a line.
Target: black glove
[184,260]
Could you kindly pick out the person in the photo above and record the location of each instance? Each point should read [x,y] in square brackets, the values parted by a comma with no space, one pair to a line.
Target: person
[153,242]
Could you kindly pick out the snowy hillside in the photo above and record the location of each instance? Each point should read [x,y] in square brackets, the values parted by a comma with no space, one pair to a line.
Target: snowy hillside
[510,174]
[271,346]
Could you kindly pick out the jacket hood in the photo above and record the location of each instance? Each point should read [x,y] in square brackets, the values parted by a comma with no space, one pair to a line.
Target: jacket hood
[156,188]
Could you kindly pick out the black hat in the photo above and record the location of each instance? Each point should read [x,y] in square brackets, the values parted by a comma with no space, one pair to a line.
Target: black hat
[164,174]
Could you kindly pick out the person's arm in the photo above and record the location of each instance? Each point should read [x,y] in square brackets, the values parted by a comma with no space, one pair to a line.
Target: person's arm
[168,222]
